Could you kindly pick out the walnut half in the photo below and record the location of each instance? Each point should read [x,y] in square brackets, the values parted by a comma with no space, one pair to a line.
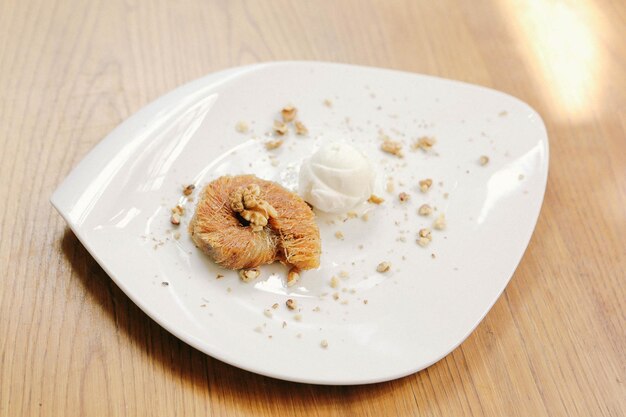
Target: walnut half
[246,202]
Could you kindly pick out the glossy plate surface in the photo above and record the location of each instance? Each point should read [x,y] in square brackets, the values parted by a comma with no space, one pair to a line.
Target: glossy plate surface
[377,326]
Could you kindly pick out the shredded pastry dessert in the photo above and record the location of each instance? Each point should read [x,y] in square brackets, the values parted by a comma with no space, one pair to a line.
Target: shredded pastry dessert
[242,222]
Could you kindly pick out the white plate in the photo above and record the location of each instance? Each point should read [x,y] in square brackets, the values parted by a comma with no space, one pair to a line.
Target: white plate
[117,201]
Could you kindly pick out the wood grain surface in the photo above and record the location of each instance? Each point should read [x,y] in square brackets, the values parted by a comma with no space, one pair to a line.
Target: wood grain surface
[72,344]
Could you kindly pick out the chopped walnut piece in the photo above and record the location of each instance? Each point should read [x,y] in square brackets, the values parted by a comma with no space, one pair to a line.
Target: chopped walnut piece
[424,237]
[339,235]
[425,210]
[300,128]
[291,304]
[280,128]
[424,143]
[375,199]
[273,144]
[288,113]
[292,276]
[383,267]
[440,222]
[188,189]
[246,202]
[249,274]
[403,197]
[483,160]
[425,184]
[392,147]
[241,127]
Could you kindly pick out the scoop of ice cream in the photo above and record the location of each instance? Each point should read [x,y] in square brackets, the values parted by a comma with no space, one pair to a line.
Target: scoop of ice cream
[336,178]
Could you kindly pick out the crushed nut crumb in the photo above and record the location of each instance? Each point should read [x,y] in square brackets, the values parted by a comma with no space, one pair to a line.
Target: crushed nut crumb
[300,128]
[328,103]
[424,237]
[425,143]
[280,128]
[267,313]
[483,160]
[241,127]
[324,343]
[425,210]
[188,189]
[219,276]
[352,214]
[292,276]
[344,274]
[275,306]
[288,113]
[339,235]
[334,282]
[425,184]
[291,304]
[392,147]
[298,317]
[336,296]
[389,187]
[175,219]
[249,274]
[273,144]
[375,199]
[177,235]
[440,222]
[403,197]
[383,267]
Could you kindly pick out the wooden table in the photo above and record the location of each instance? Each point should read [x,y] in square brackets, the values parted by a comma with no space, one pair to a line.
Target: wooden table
[72,344]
